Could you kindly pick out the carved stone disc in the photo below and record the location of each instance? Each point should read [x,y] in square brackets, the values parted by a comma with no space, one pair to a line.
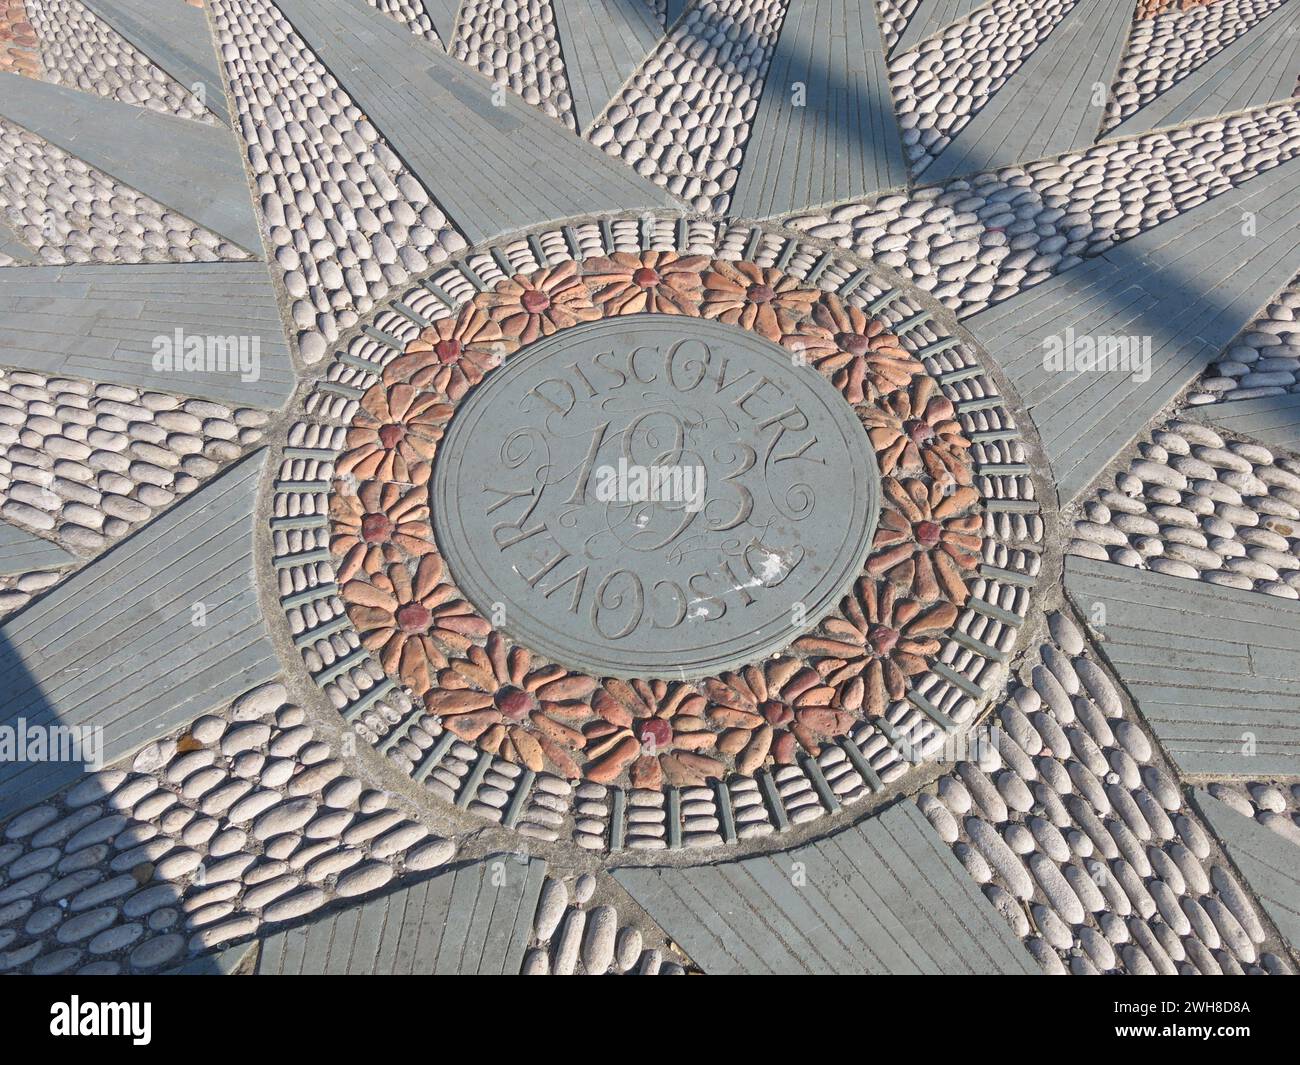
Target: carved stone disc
[654,496]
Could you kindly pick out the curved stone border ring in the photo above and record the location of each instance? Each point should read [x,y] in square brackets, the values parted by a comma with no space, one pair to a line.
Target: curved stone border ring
[490,600]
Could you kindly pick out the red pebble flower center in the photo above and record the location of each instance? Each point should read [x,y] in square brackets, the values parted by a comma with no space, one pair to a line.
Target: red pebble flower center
[883,639]
[413,617]
[853,343]
[535,302]
[761,294]
[448,351]
[919,431]
[776,713]
[392,434]
[655,731]
[375,528]
[515,703]
[926,533]
[645,277]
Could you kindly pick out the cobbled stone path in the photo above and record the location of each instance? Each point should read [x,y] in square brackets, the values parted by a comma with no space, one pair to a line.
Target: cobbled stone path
[258,718]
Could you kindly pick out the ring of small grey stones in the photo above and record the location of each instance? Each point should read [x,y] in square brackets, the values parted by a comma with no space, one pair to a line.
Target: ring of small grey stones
[873,762]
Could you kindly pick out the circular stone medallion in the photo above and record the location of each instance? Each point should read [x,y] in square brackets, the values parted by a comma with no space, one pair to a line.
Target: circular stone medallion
[654,496]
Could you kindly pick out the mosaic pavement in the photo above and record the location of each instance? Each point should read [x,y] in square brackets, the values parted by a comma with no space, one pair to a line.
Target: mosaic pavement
[615,486]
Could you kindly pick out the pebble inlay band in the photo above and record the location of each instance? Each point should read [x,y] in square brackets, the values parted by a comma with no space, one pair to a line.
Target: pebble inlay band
[837,717]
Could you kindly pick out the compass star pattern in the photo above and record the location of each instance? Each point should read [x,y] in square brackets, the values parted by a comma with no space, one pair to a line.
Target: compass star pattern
[979,334]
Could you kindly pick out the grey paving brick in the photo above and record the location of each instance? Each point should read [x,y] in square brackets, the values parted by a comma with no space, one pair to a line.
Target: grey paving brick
[930,17]
[493,169]
[1269,863]
[115,645]
[176,37]
[472,920]
[203,176]
[1214,671]
[603,42]
[22,552]
[837,139]
[1187,286]
[1272,420]
[101,322]
[222,963]
[442,13]
[1260,66]
[885,896]
[1047,106]
[11,246]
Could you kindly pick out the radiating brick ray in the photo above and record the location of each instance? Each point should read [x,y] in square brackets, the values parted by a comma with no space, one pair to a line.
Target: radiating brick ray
[645,126]
[1269,863]
[80,50]
[107,323]
[825,130]
[470,921]
[1048,106]
[1214,671]
[493,169]
[14,248]
[1272,420]
[603,41]
[1260,66]
[203,178]
[21,552]
[882,897]
[930,17]
[442,13]
[1187,287]
[116,646]
[175,37]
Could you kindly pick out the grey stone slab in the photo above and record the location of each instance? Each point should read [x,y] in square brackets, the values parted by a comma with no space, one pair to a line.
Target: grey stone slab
[203,177]
[603,42]
[493,169]
[222,963]
[930,17]
[114,646]
[345,946]
[1046,106]
[818,552]
[473,920]
[461,932]
[837,139]
[1185,288]
[107,323]
[23,552]
[176,37]
[1260,66]
[673,10]
[443,15]
[1272,420]
[429,919]
[885,896]
[11,246]
[1269,862]
[1214,671]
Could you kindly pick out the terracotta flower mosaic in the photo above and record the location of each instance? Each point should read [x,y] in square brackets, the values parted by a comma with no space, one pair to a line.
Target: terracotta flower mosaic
[508,701]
